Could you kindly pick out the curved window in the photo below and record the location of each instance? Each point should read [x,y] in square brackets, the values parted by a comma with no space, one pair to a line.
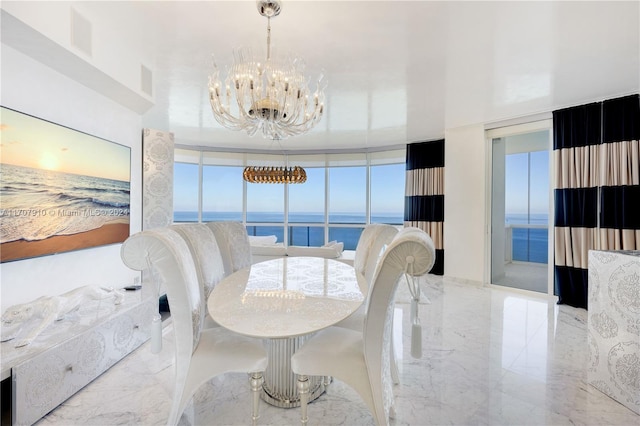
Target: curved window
[343,193]
[348,195]
[306,201]
[221,193]
[387,201]
[185,192]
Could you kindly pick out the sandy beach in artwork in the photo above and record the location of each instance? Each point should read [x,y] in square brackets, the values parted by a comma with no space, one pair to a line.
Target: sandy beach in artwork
[110,233]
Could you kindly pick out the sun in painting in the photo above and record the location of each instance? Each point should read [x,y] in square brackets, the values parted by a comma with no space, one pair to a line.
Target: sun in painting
[48,161]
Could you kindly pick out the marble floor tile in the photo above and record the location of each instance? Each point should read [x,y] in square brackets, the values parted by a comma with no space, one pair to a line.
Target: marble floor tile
[491,356]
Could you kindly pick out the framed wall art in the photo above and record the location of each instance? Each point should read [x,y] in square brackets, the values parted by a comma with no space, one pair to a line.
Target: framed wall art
[62,189]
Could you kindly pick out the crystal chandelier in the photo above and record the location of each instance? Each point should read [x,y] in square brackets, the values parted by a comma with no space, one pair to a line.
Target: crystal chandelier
[271,96]
[266,174]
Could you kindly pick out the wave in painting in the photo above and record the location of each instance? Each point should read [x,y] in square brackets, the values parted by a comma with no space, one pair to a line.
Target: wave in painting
[36,204]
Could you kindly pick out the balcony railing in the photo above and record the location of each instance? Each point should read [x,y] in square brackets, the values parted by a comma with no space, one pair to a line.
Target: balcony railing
[310,235]
[526,243]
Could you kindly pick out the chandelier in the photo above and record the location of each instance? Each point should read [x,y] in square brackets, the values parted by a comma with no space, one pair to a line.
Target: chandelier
[267,174]
[271,96]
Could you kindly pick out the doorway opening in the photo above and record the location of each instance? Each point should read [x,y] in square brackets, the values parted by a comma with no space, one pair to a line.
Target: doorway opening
[520,206]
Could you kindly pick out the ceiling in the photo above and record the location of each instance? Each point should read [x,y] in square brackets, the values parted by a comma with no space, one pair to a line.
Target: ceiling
[397,71]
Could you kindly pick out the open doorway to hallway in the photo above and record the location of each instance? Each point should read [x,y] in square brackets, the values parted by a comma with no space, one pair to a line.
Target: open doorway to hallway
[520,197]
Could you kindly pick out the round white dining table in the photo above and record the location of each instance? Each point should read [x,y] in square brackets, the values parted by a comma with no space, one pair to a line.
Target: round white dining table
[285,301]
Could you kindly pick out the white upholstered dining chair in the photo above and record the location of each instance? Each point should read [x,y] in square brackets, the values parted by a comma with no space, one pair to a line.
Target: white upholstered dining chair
[361,358]
[373,240]
[206,253]
[207,257]
[199,354]
[233,241]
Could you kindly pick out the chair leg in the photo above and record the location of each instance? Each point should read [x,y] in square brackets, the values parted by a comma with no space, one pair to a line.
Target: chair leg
[326,381]
[303,391]
[392,410]
[395,373]
[255,380]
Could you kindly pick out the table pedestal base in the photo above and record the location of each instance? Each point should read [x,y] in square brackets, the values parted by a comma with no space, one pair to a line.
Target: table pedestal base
[280,384]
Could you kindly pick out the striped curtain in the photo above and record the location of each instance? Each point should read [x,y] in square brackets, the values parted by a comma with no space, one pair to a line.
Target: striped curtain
[424,194]
[576,138]
[595,188]
[620,174]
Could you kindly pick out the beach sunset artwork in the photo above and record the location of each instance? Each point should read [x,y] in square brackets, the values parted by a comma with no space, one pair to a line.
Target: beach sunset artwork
[61,189]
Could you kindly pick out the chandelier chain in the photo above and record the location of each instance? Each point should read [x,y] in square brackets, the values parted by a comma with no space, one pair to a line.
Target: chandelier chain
[268,38]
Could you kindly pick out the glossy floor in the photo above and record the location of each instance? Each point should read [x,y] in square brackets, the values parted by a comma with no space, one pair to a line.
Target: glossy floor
[490,356]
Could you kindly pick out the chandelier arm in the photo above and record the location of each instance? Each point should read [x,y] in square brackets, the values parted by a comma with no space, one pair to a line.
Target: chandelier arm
[301,120]
[302,104]
[296,110]
[290,117]
[231,122]
[222,114]
[296,129]
[241,107]
[223,117]
[315,108]
[219,114]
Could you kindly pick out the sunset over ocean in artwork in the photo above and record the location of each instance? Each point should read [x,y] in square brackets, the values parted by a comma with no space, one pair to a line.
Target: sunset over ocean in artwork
[61,190]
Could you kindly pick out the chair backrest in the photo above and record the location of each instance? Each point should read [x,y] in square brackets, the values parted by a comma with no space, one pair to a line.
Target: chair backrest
[164,251]
[373,240]
[206,254]
[233,241]
[167,253]
[411,250]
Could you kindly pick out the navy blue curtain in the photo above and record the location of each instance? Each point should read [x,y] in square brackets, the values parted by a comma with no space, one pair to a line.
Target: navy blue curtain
[620,180]
[576,136]
[424,197]
[587,138]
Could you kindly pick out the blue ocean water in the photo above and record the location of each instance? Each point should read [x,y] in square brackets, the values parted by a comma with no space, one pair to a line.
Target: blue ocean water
[529,244]
[527,219]
[36,204]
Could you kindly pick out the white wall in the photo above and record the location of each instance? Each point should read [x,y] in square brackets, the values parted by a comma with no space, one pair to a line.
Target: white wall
[46,31]
[464,202]
[32,88]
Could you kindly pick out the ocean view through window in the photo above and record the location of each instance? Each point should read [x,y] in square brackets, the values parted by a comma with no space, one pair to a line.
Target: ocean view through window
[529,237]
[520,200]
[343,193]
[300,234]
[527,204]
